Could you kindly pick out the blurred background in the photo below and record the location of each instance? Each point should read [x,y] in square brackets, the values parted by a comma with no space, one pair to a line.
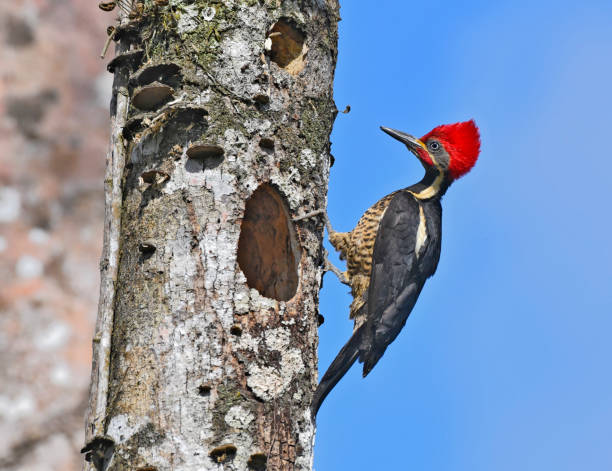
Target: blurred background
[503,364]
[54,100]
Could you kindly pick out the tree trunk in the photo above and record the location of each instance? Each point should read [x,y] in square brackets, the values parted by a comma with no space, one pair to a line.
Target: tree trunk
[205,350]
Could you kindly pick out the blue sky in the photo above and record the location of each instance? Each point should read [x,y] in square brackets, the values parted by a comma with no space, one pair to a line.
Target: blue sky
[504,363]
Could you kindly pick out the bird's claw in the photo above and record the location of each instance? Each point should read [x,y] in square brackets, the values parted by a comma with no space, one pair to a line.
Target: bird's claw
[329,266]
[310,214]
[316,213]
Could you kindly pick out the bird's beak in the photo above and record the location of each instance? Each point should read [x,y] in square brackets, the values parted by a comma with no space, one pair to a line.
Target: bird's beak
[413,143]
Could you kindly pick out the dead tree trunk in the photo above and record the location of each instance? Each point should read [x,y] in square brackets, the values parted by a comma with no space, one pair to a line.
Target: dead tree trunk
[205,346]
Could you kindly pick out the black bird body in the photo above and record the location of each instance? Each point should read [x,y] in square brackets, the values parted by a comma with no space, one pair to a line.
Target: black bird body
[395,248]
[405,253]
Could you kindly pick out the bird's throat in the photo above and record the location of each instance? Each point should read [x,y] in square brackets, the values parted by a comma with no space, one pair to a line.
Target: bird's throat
[433,184]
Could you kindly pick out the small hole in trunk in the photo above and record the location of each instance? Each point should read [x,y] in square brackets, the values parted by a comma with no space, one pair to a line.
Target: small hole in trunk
[223,453]
[201,156]
[257,462]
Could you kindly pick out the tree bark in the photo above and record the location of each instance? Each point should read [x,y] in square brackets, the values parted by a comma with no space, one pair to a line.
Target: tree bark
[205,352]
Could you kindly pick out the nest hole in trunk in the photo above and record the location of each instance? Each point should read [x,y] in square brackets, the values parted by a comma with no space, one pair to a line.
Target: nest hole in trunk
[268,247]
[287,48]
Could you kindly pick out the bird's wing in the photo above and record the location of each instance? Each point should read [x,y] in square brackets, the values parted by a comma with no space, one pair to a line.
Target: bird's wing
[397,278]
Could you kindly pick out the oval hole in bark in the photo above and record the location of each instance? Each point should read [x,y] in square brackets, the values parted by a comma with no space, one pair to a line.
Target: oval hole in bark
[201,156]
[130,58]
[261,98]
[152,97]
[170,74]
[287,45]
[268,248]
[266,143]
[154,177]
[223,453]
[147,249]
[257,462]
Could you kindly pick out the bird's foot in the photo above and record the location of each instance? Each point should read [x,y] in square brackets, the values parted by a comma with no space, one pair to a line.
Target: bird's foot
[329,266]
[317,213]
[310,215]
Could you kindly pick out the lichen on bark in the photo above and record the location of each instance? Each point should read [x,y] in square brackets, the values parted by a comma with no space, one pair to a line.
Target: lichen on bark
[204,369]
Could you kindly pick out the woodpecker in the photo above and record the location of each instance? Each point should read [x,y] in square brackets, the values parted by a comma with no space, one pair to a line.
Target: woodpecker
[395,248]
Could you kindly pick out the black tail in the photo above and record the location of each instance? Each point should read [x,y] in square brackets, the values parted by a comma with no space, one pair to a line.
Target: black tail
[341,364]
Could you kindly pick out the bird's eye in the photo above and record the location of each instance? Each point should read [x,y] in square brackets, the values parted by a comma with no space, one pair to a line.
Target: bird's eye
[433,145]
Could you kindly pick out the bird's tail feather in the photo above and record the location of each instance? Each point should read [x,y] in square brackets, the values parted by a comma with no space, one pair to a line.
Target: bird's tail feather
[341,364]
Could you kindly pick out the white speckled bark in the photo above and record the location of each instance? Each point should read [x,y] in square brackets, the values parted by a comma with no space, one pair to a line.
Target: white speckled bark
[205,372]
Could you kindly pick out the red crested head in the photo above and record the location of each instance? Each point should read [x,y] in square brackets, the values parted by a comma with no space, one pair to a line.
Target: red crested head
[461,141]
